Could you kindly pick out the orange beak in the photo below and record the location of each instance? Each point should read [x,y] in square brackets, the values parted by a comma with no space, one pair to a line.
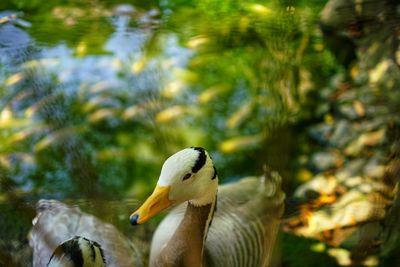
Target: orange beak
[157,202]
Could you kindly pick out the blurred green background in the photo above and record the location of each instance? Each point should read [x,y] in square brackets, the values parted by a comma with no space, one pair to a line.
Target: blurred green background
[96,94]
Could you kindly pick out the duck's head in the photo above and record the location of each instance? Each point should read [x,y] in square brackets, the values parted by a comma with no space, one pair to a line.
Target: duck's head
[78,251]
[188,175]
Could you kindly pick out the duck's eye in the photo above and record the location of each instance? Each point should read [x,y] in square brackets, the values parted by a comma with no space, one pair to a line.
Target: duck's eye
[187,176]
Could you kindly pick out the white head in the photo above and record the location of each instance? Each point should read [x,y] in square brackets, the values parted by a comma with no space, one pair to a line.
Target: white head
[191,175]
[188,175]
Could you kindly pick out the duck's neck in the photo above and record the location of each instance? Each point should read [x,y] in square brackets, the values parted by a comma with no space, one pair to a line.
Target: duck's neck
[186,246]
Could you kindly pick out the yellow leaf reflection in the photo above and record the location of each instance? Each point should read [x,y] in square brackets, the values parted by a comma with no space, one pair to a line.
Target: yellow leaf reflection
[14,123]
[240,115]
[102,114]
[99,87]
[244,23]
[145,151]
[24,134]
[81,49]
[304,175]
[55,137]
[371,261]
[132,112]
[376,74]
[137,110]
[259,9]
[196,41]
[341,255]
[290,9]
[170,114]
[5,116]
[172,89]
[138,66]
[13,79]
[318,247]
[318,47]
[5,162]
[359,108]
[328,118]
[355,71]
[42,62]
[186,75]
[110,153]
[238,143]
[364,140]
[95,102]
[210,93]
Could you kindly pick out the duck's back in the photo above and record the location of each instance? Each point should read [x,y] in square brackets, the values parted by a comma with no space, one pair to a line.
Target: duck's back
[244,227]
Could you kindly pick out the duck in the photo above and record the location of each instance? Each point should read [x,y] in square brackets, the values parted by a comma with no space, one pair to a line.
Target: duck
[65,236]
[239,230]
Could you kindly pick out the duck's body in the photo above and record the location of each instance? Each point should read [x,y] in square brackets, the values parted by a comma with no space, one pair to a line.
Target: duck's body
[244,216]
[57,223]
[243,229]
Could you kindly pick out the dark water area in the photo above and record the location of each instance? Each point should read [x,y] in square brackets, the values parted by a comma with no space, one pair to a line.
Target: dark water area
[95,95]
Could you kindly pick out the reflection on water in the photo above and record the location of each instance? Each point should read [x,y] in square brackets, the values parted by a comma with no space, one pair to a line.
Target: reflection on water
[96,94]
[115,89]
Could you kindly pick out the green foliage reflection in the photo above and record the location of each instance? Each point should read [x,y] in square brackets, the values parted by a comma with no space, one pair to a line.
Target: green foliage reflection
[226,75]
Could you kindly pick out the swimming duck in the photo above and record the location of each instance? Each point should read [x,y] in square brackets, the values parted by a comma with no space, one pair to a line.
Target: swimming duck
[239,231]
[66,236]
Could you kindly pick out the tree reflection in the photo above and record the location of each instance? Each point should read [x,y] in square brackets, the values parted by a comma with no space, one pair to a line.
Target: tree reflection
[225,80]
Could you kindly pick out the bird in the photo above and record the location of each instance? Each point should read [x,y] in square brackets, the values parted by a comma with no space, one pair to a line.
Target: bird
[239,230]
[62,235]
[78,251]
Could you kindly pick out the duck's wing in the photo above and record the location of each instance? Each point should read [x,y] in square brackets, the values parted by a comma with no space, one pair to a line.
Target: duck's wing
[246,223]
[56,222]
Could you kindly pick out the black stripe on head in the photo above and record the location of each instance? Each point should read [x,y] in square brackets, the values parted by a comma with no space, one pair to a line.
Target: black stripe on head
[101,251]
[93,245]
[215,173]
[92,249]
[201,159]
[71,250]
